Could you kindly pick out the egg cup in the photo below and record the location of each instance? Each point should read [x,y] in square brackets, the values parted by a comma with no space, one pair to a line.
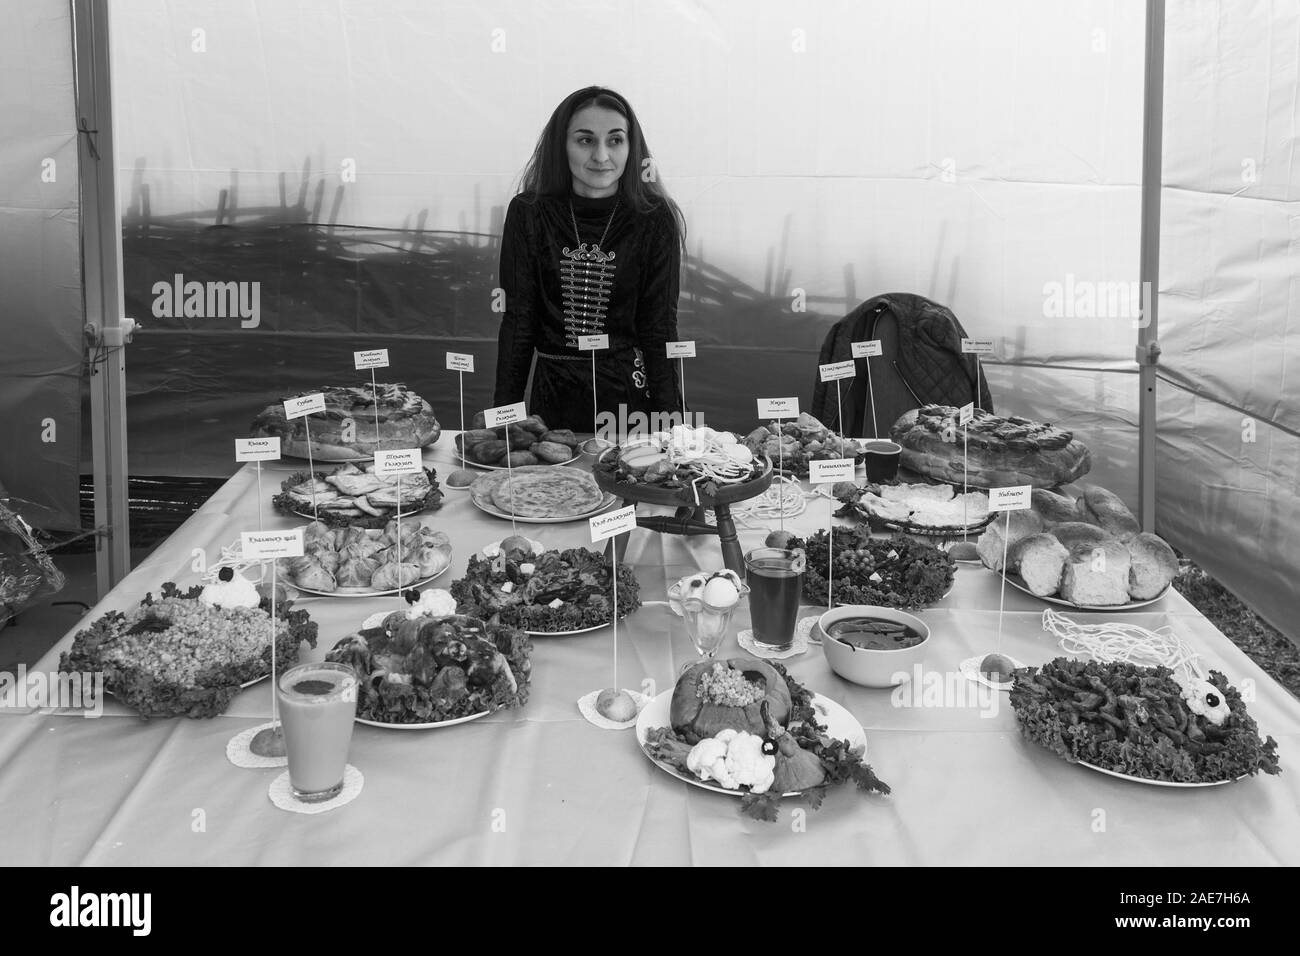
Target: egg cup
[703,601]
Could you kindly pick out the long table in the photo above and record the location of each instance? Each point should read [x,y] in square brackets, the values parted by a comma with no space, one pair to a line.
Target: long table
[540,785]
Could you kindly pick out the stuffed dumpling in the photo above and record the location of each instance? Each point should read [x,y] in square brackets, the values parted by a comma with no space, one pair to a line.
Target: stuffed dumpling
[431,560]
[393,576]
[356,572]
[312,576]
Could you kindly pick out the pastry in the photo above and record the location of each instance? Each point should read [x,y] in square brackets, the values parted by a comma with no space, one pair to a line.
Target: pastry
[355,423]
[1040,560]
[1153,566]
[998,451]
[1107,510]
[1096,575]
[1022,523]
[1054,509]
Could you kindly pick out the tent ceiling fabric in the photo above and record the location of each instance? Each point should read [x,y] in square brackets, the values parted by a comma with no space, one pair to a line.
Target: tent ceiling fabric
[986,155]
[40,266]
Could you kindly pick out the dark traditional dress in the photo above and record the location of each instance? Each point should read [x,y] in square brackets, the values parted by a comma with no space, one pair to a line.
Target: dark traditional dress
[559,286]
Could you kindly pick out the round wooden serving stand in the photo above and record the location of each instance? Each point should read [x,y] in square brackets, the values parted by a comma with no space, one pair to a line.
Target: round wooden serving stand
[689,519]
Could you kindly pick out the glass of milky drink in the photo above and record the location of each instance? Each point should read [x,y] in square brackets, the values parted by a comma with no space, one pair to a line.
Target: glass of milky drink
[318,704]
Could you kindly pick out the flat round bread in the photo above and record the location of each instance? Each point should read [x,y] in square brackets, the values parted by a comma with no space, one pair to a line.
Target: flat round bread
[549,493]
[355,423]
[1000,450]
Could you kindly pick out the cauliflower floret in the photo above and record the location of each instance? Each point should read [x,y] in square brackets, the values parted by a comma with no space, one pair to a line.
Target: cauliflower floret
[734,759]
[434,602]
[708,759]
[748,764]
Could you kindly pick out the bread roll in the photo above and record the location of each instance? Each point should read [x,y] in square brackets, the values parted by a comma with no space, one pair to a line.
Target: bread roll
[1074,533]
[1052,508]
[1041,560]
[990,545]
[1153,566]
[1108,511]
[1096,575]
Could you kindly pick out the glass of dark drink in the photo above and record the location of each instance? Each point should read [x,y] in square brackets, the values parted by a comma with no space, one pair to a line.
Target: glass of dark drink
[775,579]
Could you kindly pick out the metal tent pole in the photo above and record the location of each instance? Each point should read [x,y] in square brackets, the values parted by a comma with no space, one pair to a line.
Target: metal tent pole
[1148,348]
[107,331]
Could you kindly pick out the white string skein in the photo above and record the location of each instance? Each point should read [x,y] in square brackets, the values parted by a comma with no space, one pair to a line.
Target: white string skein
[1114,642]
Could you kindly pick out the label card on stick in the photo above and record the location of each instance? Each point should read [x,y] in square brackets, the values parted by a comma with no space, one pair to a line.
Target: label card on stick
[590,343]
[263,545]
[1017,498]
[304,405]
[681,349]
[835,371]
[778,408]
[612,523]
[505,415]
[977,346]
[869,349]
[371,358]
[966,414]
[257,449]
[834,469]
[398,461]
[460,362]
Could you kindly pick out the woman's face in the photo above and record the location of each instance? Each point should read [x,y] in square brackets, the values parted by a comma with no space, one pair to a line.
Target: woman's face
[597,147]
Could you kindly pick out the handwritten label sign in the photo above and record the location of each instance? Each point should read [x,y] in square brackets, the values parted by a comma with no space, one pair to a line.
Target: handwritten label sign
[1010,499]
[257,449]
[615,522]
[966,413]
[837,370]
[590,343]
[262,545]
[681,349]
[977,346]
[778,408]
[371,358]
[505,415]
[398,461]
[460,362]
[304,405]
[867,349]
[833,469]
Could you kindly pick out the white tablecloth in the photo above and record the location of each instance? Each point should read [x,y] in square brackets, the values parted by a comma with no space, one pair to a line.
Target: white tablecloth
[542,786]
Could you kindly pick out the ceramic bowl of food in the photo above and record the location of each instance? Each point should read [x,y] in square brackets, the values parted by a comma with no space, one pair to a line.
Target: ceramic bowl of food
[591,449]
[873,646]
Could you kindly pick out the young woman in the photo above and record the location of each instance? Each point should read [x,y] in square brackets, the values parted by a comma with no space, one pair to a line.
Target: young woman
[592,245]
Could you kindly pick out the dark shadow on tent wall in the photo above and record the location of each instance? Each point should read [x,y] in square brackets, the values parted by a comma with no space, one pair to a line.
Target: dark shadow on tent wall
[327,289]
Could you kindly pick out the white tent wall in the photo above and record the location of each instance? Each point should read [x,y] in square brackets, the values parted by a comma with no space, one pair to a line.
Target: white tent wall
[985,154]
[40,265]
[1228,472]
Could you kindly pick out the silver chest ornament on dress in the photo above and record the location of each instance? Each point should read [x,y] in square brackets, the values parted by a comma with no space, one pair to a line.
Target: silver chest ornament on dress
[587,281]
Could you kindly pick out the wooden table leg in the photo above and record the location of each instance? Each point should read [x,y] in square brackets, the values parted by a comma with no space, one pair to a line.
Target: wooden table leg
[732,558]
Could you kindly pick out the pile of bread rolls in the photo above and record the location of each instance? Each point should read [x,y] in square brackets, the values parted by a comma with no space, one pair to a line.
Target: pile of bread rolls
[1089,551]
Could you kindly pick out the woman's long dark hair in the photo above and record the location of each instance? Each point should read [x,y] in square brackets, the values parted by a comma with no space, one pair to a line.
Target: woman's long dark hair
[548,173]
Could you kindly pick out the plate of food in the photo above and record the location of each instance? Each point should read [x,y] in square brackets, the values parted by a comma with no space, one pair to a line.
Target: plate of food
[364,562]
[1141,723]
[745,728]
[422,668]
[699,467]
[189,653]
[352,495]
[548,594]
[898,572]
[539,494]
[999,451]
[1017,582]
[792,445]
[936,510]
[357,420]
[529,442]
[1101,560]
